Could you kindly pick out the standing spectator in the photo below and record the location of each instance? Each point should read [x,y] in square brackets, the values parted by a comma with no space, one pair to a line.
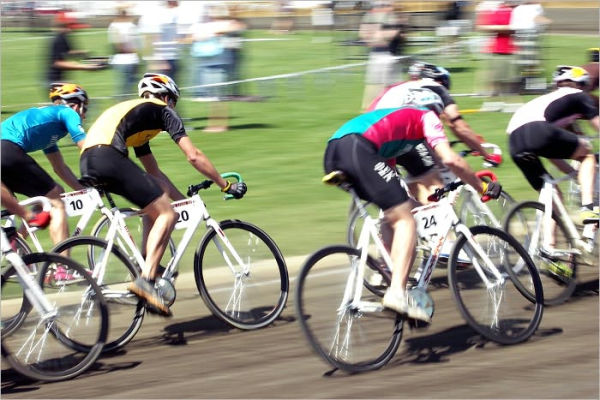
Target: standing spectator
[232,44]
[61,49]
[379,30]
[500,48]
[160,26]
[124,37]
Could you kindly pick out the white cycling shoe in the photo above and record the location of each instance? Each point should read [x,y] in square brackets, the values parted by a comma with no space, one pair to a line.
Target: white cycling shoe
[405,304]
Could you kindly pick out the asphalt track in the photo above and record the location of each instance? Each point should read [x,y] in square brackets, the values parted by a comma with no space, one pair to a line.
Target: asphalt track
[193,355]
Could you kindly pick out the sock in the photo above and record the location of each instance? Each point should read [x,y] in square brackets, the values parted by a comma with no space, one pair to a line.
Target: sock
[588,206]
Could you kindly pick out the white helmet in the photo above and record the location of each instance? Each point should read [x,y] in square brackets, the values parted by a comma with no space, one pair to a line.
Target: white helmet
[422,97]
[570,73]
[158,84]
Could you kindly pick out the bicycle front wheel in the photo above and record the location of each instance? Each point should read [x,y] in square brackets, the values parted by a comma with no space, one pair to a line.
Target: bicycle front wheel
[244,283]
[41,347]
[114,272]
[500,304]
[557,270]
[353,338]
[12,316]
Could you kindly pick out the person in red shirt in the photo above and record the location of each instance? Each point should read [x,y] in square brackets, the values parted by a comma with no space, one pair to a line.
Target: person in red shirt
[500,49]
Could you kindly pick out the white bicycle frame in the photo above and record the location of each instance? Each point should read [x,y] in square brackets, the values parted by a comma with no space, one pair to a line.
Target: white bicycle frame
[436,219]
[28,282]
[551,200]
[192,212]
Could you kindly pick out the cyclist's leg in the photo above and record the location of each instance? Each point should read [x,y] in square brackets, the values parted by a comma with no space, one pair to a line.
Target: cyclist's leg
[22,174]
[587,170]
[162,219]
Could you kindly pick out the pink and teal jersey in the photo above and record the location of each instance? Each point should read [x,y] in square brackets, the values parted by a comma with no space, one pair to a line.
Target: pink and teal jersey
[395,131]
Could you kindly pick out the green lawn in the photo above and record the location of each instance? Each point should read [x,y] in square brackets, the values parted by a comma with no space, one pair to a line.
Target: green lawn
[276,144]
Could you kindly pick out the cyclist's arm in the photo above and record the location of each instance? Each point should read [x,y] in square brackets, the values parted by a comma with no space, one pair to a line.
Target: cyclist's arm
[151,166]
[62,170]
[457,165]
[462,130]
[200,161]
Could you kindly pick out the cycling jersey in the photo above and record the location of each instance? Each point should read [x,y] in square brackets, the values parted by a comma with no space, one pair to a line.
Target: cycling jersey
[397,95]
[40,128]
[395,131]
[560,108]
[134,123]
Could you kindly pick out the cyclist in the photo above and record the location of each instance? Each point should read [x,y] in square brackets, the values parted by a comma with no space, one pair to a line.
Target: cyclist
[420,162]
[366,148]
[40,129]
[104,157]
[537,130]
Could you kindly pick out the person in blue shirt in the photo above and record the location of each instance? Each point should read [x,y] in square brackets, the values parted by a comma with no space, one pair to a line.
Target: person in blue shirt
[40,129]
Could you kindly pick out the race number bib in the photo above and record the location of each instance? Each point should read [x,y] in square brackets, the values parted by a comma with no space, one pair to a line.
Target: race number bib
[429,221]
[78,203]
[187,213]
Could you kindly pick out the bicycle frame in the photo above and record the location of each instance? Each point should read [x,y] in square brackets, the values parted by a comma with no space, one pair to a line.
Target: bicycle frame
[192,212]
[551,200]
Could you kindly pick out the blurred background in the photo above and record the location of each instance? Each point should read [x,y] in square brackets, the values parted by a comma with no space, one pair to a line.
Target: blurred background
[265,83]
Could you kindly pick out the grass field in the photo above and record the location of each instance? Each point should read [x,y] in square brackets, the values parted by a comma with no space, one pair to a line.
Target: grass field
[276,144]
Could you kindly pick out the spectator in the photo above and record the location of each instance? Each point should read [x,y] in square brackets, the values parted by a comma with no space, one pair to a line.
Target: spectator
[124,37]
[500,49]
[379,30]
[160,27]
[61,50]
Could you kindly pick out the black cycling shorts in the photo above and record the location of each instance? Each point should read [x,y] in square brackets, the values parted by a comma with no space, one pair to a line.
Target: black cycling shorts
[20,172]
[540,139]
[119,175]
[418,161]
[373,179]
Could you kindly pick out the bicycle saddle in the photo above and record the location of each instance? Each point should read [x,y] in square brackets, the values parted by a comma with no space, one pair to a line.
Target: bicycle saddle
[90,181]
[336,178]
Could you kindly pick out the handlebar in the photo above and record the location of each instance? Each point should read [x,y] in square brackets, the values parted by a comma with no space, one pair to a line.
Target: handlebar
[441,192]
[41,200]
[193,189]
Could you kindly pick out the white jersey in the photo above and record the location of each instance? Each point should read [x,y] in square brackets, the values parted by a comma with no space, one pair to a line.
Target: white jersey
[395,96]
[560,108]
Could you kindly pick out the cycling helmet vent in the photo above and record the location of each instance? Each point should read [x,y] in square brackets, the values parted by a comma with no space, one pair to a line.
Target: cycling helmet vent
[570,73]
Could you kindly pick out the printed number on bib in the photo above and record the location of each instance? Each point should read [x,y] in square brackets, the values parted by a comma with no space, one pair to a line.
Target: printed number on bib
[77,203]
[187,213]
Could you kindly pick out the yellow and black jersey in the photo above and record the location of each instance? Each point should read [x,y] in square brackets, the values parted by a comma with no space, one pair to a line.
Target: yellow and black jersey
[134,123]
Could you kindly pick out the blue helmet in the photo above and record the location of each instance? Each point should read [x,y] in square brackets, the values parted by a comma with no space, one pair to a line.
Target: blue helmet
[436,73]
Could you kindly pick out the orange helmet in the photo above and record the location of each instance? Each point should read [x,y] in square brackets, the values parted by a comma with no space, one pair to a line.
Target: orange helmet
[68,92]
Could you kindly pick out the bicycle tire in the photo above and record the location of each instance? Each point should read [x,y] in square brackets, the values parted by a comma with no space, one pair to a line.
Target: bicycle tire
[126,309]
[471,216]
[370,340]
[103,224]
[37,349]
[504,313]
[255,298]
[521,222]
[9,320]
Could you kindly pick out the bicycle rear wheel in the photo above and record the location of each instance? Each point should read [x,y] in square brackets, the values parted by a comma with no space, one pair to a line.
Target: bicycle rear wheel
[248,296]
[126,309]
[558,272]
[348,338]
[40,347]
[500,304]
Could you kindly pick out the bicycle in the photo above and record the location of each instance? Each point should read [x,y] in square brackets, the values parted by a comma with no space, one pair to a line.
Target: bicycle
[247,287]
[84,204]
[54,333]
[552,239]
[472,210]
[346,324]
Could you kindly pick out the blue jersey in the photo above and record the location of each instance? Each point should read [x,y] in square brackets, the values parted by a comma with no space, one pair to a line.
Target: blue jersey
[40,128]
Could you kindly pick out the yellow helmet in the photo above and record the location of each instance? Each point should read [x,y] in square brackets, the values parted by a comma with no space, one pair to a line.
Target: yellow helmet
[68,92]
